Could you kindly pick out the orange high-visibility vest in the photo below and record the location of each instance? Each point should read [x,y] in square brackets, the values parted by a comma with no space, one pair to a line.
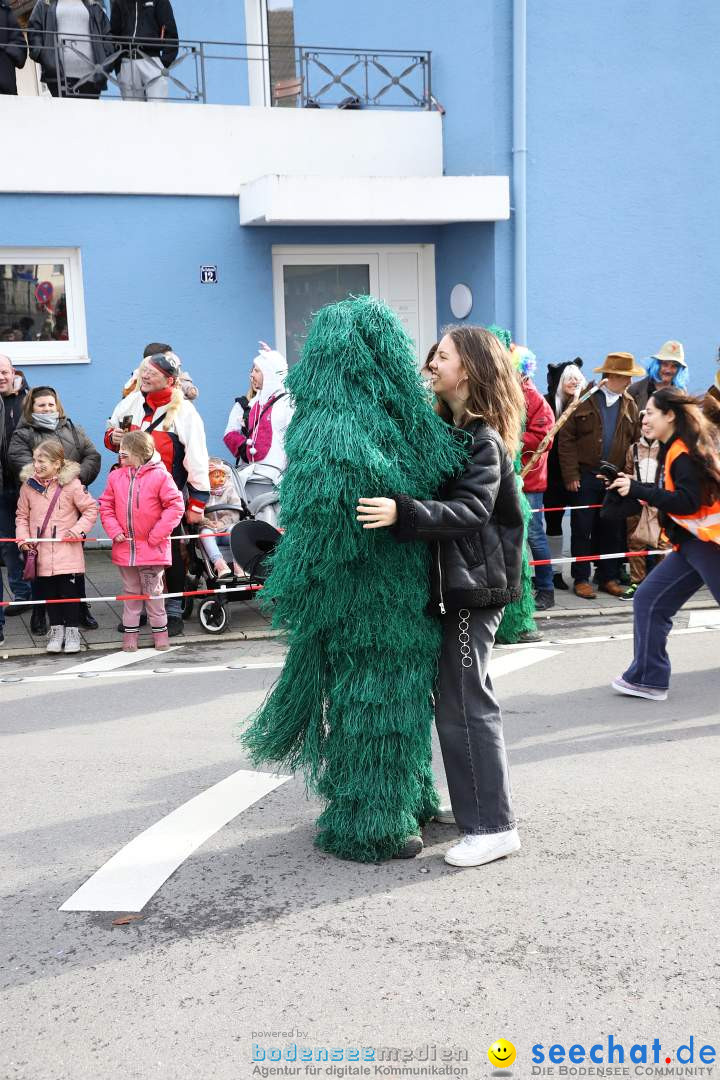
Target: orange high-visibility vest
[705,523]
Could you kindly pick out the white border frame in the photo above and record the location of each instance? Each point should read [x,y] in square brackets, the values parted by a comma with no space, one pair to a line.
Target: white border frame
[72,351]
[374,255]
[256,34]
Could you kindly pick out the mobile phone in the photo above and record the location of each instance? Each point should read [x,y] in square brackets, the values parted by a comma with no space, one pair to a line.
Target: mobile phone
[126,423]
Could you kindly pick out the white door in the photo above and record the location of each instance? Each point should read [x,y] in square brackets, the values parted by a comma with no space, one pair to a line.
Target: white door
[306,279]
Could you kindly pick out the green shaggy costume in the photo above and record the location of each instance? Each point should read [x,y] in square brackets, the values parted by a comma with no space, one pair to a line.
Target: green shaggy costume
[352,707]
[518,617]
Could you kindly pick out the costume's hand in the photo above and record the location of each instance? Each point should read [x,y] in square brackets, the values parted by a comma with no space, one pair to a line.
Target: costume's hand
[377,513]
[193,517]
[574,485]
[621,483]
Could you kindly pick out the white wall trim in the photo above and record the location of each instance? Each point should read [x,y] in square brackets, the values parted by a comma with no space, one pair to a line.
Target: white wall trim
[205,149]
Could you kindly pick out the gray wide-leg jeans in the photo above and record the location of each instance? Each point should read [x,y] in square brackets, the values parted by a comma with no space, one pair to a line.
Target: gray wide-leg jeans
[469,724]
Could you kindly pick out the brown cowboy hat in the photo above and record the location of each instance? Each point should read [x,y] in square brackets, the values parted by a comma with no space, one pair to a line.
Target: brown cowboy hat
[620,363]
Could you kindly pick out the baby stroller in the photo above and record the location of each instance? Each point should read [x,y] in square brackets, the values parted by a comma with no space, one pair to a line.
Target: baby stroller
[251,541]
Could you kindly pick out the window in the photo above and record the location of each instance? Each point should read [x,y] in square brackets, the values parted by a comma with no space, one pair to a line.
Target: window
[42,311]
[307,278]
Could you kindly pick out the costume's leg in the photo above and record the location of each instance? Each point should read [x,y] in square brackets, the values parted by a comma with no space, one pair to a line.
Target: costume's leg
[377,775]
[518,617]
[469,725]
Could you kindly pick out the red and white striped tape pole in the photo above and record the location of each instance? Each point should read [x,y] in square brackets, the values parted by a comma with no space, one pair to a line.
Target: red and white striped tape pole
[220,592]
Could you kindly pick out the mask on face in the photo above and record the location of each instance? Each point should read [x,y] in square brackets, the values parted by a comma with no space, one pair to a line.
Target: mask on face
[47,420]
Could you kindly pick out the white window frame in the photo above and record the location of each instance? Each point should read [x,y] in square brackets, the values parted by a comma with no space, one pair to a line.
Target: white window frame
[256,35]
[374,255]
[72,351]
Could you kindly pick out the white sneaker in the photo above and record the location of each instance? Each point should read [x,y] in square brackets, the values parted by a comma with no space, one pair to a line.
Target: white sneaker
[477,848]
[652,693]
[72,639]
[445,815]
[55,640]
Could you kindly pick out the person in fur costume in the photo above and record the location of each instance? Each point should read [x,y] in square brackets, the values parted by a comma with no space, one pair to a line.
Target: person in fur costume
[353,707]
[518,622]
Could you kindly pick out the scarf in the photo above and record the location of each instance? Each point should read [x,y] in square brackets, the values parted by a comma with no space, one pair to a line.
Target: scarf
[48,421]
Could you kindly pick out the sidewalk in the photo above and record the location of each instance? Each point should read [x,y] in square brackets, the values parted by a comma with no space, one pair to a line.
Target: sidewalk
[102,579]
[246,621]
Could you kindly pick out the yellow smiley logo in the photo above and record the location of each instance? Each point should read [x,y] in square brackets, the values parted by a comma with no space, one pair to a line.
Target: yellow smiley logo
[501,1054]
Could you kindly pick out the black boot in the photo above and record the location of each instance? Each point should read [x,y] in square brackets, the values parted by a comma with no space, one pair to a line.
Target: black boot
[86,618]
[559,583]
[38,622]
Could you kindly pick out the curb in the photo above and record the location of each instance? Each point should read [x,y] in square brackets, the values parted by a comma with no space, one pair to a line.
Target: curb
[183,639]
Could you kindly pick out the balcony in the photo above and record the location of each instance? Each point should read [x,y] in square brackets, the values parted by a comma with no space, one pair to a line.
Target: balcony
[232,73]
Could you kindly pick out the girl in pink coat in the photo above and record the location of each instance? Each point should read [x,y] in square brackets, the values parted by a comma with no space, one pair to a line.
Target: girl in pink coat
[139,509]
[51,484]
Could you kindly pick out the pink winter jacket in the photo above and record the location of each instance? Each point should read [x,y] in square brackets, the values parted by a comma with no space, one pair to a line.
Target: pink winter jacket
[74,513]
[145,505]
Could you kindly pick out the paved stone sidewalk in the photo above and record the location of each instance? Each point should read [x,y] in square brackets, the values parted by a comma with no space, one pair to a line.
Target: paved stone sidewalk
[246,621]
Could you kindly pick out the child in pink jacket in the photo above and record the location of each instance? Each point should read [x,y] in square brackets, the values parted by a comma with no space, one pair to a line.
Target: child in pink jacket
[51,483]
[139,509]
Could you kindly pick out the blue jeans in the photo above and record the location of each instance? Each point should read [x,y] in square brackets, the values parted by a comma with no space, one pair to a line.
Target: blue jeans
[11,555]
[538,542]
[661,595]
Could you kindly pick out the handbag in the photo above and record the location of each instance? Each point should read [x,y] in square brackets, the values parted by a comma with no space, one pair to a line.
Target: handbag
[30,568]
[648,529]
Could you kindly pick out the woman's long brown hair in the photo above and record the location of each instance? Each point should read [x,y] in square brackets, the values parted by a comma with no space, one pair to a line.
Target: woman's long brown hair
[697,432]
[495,392]
[34,394]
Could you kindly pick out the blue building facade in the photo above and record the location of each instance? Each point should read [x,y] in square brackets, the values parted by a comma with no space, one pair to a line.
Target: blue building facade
[293,205]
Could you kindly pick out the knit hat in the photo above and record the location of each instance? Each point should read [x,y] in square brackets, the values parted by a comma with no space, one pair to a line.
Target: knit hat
[167,363]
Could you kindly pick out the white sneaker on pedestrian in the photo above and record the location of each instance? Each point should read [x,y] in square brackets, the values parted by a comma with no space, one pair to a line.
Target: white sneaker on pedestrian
[475,849]
[72,639]
[445,815]
[55,639]
[652,693]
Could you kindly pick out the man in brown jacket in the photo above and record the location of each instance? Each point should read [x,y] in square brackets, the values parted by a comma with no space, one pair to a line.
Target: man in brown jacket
[601,429]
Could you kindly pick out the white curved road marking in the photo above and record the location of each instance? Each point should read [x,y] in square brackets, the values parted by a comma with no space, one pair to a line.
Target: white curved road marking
[131,877]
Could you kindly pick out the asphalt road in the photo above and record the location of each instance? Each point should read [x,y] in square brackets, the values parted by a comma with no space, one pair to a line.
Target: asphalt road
[605,923]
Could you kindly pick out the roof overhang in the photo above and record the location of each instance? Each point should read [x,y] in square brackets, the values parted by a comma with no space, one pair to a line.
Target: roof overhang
[374,200]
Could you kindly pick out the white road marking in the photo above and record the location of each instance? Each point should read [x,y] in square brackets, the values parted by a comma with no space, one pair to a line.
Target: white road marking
[199,669]
[514,661]
[710,617]
[131,877]
[114,660]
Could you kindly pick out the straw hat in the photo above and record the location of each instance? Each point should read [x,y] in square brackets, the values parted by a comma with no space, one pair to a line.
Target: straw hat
[620,363]
[673,351]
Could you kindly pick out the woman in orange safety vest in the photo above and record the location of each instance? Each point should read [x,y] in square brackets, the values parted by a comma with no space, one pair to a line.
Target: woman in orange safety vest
[688,498]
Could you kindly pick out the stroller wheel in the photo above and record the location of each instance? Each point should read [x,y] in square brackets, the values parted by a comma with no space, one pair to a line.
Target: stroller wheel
[214,616]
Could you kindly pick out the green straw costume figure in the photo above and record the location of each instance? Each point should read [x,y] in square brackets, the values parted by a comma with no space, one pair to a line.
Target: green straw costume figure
[518,616]
[353,708]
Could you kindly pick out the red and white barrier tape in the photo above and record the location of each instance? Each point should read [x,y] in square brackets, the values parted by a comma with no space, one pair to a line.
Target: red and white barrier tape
[222,591]
[549,509]
[100,539]
[598,558]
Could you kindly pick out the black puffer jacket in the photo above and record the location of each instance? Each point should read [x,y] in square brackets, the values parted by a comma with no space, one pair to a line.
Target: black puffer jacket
[151,23]
[13,49]
[475,526]
[76,444]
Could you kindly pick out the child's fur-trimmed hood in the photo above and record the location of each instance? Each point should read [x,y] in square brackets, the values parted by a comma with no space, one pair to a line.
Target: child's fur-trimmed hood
[69,471]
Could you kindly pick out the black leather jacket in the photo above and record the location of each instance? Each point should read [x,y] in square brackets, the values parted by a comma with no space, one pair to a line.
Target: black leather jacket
[475,527]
